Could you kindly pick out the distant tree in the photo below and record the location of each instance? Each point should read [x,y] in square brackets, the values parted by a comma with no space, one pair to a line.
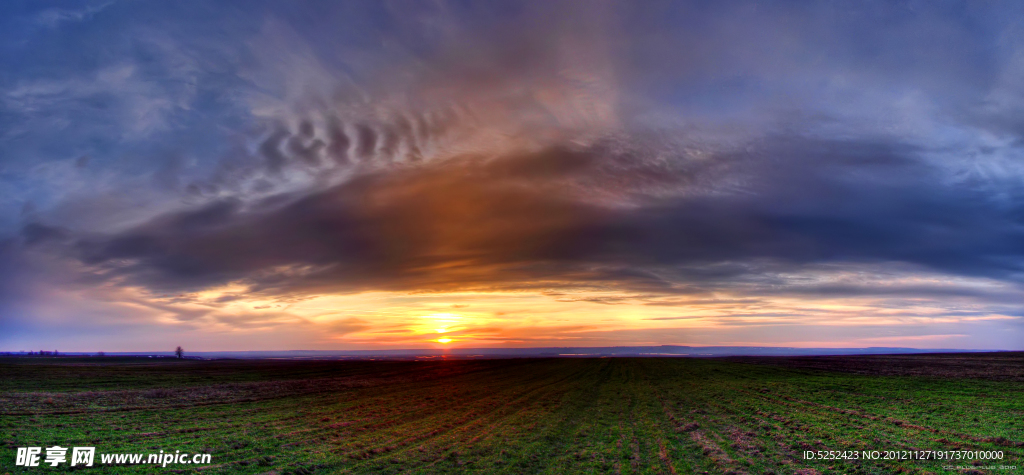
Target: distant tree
[180,353]
[101,354]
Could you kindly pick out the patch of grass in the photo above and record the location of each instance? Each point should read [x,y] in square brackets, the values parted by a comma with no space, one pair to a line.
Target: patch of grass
[645,415]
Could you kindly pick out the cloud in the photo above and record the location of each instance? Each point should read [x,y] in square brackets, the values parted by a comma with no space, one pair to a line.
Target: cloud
[568,216]
[54,17]
[594,153]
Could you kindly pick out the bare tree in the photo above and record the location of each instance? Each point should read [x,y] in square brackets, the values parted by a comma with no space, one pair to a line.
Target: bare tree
[180,353]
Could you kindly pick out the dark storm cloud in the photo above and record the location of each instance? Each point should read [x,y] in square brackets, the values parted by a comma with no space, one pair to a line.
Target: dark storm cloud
[529,220]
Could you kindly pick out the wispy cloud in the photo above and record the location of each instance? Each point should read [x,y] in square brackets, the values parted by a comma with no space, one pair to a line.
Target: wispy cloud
[54,17]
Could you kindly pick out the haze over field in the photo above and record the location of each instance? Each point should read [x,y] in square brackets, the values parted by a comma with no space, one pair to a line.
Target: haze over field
[373,175]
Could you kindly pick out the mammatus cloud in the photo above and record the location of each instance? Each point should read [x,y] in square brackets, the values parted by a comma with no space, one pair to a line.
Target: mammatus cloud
[587,157]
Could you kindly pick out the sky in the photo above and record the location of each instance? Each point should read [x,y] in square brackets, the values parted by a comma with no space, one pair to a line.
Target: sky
[274,175]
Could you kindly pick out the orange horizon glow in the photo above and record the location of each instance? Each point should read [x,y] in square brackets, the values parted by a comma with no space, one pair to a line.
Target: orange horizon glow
[395,320]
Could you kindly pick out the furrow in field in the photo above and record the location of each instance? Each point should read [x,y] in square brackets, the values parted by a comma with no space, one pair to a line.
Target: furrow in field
[377,440]
[485,423]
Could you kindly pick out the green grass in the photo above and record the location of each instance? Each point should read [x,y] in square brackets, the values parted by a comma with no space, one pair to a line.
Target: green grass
[554,416]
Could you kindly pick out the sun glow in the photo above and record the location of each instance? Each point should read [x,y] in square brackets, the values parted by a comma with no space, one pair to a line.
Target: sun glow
[442,323]
[373,320]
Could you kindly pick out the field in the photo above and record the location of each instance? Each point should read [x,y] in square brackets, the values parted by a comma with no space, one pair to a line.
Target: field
[612,415]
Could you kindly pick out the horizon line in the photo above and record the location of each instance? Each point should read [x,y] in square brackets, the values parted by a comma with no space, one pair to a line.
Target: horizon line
[645,350]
